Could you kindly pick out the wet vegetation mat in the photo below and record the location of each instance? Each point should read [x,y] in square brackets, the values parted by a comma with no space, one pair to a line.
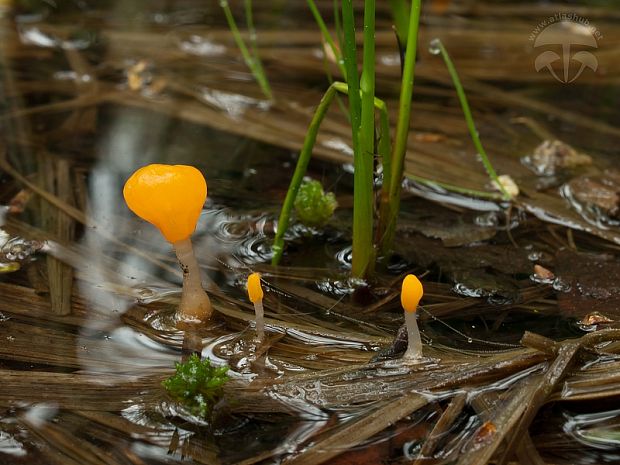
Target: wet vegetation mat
[521,308]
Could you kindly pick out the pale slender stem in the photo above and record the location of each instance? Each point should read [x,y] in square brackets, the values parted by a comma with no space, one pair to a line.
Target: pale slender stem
[414,347]
[260,320]
[195,303]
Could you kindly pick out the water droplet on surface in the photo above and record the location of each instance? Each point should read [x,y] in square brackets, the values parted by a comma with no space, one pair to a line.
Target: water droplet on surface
[560,285]
[489,220]
[534,256]
[434,47]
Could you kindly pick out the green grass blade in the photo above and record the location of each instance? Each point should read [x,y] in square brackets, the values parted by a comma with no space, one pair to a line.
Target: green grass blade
[327,37]
[437,45]
[455,189]
[252,62]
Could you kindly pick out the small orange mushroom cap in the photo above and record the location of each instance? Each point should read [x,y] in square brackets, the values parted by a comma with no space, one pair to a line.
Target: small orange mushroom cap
[255,291]
[411,293]
[168,196]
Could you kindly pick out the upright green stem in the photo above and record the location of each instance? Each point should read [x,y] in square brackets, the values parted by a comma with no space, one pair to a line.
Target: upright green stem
[387,225]
[300,171]
[363,256]
[252,62]
[436,44]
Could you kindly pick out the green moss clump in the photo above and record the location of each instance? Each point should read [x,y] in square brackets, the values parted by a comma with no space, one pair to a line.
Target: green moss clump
[197,385]
[314,206]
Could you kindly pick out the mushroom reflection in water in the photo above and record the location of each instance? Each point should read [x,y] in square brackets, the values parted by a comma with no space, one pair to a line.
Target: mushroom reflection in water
[171,198]
[410,297]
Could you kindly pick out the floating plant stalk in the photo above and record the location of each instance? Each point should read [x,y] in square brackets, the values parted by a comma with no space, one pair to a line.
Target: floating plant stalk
[171,198]
[389,212]
[436,48]
[252,60]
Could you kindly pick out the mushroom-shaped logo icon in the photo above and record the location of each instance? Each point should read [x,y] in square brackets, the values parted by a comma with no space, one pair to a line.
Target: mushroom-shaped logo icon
[566,34]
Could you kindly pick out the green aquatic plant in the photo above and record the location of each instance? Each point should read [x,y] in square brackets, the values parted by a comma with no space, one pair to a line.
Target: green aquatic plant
[360,87]
[314,206]
[197,385]
[369,141]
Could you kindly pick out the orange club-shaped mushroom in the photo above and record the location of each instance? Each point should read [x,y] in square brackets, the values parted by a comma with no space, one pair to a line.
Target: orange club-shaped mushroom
[255,293]
[171,198]
[410,297]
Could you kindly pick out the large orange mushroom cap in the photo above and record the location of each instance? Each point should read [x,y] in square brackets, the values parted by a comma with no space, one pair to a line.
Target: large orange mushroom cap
[411,293]
[168,196]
